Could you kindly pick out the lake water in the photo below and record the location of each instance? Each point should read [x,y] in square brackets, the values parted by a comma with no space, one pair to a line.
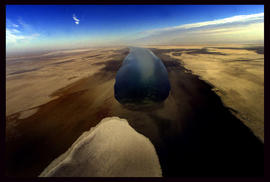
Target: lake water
[142,78]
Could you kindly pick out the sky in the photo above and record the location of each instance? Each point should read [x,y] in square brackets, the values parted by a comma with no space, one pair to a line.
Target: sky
[52,27]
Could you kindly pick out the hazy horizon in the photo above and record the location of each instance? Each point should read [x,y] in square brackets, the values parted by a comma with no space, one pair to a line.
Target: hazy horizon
[34,28]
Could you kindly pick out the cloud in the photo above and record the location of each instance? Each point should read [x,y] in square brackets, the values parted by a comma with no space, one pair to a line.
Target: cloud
[15,30]
[230,20]
[214,30]
[25,27]
[76,20]
[19,34]
[13,36]
[10,24]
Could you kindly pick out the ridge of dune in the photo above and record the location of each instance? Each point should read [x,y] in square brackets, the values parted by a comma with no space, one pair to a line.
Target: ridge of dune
[110,149]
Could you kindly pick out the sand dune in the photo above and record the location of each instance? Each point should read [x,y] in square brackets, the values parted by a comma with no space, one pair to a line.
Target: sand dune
[110,149]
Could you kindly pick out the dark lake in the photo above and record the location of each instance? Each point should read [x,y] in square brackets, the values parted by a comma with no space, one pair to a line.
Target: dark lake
[142,78]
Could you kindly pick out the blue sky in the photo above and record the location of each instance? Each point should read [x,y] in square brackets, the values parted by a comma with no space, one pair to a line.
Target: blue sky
[70,26]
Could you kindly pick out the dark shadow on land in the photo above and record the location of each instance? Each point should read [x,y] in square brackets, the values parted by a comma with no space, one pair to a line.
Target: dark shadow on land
[214,142]
[23,71]
[151,106]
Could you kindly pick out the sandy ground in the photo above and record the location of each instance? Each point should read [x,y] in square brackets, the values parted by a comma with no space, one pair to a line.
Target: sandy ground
[193,133]
[31,80]
[237,76]
[98,153]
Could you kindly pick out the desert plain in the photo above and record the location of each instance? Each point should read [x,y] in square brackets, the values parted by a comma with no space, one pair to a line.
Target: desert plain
[211,124]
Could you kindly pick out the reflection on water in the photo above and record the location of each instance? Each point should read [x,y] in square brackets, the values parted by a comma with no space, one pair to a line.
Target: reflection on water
[142,78]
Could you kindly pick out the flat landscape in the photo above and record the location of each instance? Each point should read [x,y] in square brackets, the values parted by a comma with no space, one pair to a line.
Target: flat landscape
[213,115]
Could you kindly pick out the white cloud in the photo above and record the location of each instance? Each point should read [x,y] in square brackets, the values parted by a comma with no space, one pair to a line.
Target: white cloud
[230,20]
[19,34]
[14,36]
[27,28]
[207,31]
[77,21]
[15,30]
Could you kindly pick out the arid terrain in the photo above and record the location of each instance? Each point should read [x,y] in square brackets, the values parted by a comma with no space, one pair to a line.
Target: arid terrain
[211,124]
[236,73]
